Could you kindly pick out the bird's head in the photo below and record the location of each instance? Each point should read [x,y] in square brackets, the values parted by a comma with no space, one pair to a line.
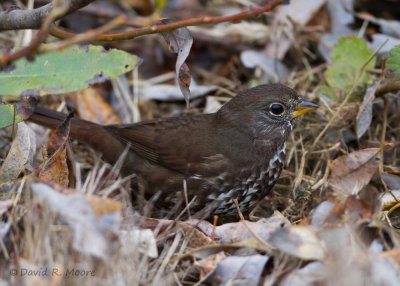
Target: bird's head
[266,110]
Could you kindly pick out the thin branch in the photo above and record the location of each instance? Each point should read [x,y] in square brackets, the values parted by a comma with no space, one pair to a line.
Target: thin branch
[99,34]
[58,8]
[17,19]
[84,37]
[383,138]
[390,86]
[127,35]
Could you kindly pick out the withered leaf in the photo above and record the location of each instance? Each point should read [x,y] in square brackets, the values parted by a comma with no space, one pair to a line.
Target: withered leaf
[392,181]
[321,213]
[55,168]
[300,241]
[211,249]
[364,115]
[92,107]
[351,172]
[394,254]
[209,264]
[180,42]
[169,92]
[142,240]
[20,155]
[184,79]
[89,234]
[238,231]
[196,238]
[245,270]
[102,206]
[310,274]
[58,137]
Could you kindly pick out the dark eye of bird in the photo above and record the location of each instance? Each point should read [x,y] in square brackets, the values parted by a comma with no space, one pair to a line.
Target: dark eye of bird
[276,108]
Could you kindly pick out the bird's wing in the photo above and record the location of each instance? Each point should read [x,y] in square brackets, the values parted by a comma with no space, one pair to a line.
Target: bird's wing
[185,146]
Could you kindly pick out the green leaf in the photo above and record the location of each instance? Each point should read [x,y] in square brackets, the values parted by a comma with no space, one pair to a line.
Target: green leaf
[393,63]
[72,69]
[9,115]
[348,57]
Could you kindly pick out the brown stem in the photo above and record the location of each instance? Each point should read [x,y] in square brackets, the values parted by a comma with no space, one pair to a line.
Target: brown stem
[61,33]
[17,19]
[31,49]
[383,136]
[387,87]
[84,37]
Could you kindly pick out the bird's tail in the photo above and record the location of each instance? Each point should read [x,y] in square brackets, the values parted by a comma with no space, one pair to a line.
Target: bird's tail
[84,131]
[47,117]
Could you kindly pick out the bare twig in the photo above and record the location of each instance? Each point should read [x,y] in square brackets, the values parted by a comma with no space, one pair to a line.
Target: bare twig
[388,87]
[300,172]
[99,34]
[382,140]
[86,36]
[57,9]
[17,19]
[157,28]
[236,203]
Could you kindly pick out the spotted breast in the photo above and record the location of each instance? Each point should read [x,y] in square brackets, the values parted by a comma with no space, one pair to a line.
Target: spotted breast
[250,186]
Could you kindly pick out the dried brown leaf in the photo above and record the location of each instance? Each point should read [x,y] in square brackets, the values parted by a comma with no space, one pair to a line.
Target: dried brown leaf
[310,274]
[321,213]
[91,106]
[354,210]
[89,234]
[393,254]
[392,181]
[180,42]
[351,172]
[142,240]
[301,12]
[58,138]
[196,238]
[210,249]
[389,200]
[102,206]
[233,232]
[364,115]
[272,69]
[299,241]
[169,92]
[55,168]
[209,264]
[184,79]
[21,154]
[245,270]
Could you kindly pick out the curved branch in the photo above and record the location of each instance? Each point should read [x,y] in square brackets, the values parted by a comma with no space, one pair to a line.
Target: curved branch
[17,19]
[131,34]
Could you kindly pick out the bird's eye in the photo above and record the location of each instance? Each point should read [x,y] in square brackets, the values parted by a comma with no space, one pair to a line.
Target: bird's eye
[276,109]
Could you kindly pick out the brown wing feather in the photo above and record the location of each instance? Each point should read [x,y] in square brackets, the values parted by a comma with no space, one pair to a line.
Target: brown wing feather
[157,142]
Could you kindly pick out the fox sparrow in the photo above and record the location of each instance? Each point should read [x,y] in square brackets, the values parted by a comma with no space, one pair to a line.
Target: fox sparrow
[201,161]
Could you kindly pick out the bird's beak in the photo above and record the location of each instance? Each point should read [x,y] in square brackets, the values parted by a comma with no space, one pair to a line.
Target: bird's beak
[304,107]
